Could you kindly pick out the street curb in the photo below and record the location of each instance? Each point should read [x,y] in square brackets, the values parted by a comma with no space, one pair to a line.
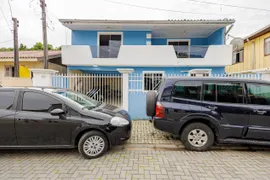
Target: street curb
[180,147]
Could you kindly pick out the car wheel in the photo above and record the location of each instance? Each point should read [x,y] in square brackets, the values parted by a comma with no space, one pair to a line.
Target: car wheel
[93,144]
[197,137]
[151,99]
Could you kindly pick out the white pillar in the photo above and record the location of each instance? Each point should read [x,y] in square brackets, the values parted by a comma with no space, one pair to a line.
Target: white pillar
[125,74]
[42,77]
[266,76]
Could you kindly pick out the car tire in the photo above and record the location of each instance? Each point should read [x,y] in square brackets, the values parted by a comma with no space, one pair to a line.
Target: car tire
[93,144]
[151,99]
[197,137]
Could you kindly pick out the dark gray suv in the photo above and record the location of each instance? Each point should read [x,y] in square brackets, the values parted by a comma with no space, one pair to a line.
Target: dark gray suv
[207,110]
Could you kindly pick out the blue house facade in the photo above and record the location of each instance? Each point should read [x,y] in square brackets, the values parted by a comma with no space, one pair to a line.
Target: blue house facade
[152,49]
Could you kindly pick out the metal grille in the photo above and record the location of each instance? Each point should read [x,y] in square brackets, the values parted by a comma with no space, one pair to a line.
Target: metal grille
[101,87]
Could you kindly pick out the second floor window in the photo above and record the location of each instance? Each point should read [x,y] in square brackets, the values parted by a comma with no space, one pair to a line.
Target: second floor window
[267,46]
[109,45]
[181,48]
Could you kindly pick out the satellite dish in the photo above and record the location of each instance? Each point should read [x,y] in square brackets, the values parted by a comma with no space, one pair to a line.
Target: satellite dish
[238,44]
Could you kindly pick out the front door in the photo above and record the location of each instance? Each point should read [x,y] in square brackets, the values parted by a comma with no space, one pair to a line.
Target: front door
[7,112]
[259,103]
[225,101]
[34,124]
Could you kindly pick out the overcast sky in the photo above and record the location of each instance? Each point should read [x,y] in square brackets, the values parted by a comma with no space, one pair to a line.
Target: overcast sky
[29,14]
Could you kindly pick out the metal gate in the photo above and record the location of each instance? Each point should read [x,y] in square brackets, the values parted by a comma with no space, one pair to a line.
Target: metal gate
[101,87]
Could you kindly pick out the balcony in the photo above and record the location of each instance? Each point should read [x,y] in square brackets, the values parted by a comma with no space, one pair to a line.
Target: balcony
[190,51]
[148,56]
[104,51]
[180,51]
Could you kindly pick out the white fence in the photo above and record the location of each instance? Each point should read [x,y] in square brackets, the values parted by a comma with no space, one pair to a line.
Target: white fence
[151,81]
[101,87]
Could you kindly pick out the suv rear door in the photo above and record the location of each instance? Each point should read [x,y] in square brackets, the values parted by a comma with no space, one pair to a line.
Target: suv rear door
[225,101]
[259,103]
[7,112]
[182,99]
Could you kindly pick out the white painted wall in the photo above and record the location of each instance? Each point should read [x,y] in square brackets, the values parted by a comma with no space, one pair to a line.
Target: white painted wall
[154,56]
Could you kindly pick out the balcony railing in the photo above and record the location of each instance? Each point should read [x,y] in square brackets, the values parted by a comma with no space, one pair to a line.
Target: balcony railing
[105,51]
[180,51]
[190,51]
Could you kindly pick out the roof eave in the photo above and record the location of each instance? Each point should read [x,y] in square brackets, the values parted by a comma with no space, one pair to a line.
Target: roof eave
[258,33]
[147,22]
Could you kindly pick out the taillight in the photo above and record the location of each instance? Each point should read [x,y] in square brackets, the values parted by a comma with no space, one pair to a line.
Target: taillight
[160,111]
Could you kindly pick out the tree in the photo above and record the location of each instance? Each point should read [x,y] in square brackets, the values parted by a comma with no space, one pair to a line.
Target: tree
[37,46]
[50,47]
[22,47]
[58,48]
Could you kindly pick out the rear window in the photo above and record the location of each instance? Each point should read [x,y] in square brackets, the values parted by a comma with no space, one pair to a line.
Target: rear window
[6,99]
[187,90]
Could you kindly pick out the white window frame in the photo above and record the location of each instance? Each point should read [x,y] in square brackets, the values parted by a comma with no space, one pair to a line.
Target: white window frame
[267,45]
[200,71]
[144,72]
[181,40]
[107,33]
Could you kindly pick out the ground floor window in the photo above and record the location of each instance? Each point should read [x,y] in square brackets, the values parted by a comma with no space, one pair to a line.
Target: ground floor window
[200,72]
[152,80]
[9,71]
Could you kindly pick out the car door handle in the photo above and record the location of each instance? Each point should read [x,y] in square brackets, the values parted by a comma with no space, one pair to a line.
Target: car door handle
[259,111]
[22,119]
[212,107]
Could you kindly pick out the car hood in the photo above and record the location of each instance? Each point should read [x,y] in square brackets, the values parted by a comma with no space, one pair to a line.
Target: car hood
[106,112]
[113,111]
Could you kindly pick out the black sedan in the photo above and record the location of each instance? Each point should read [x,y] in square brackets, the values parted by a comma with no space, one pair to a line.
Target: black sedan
[38,118]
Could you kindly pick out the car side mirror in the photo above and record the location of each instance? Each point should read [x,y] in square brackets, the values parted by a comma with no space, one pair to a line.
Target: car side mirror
[57,112]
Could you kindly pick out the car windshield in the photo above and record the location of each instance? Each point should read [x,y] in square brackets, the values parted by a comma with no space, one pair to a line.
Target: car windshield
[80,99]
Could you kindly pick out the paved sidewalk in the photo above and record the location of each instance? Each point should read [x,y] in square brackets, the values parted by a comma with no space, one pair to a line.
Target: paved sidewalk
[135,164]
[143,132]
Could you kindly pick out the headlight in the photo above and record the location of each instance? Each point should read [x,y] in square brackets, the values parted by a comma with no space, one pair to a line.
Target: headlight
[118,121]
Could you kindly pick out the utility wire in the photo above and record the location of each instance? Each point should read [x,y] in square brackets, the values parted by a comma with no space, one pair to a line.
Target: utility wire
[30,3]
[5,19]
[5,41]
[10,8]
[159,9]
[49,11]
[229,5]
[4,26]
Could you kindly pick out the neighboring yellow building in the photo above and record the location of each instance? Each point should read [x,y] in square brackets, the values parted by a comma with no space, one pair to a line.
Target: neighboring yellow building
[28,60]
[256,54]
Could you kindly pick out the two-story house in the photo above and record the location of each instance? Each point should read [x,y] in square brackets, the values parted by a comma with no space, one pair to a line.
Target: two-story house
[255,57]
[193,47]
[151,48]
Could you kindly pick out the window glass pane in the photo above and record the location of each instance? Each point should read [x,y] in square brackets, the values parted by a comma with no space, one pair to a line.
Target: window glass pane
[152,81]
[230,93]
[173,43]
[39,103]
[104,40]
[187,90]
[267,46]
[6,99]
[259,94]
[209,92]
[116,37]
